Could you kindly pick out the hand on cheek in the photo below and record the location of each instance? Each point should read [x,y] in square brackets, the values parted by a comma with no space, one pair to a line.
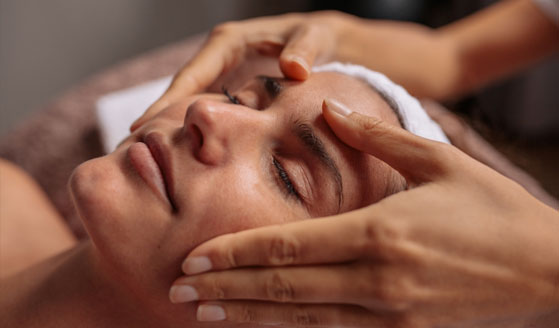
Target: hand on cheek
[465,244]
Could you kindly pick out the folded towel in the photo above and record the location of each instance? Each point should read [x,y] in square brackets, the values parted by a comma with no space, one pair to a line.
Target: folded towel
[413,116]
[118,110]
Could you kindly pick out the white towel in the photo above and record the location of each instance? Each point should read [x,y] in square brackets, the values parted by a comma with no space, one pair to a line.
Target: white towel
[413,116]
[550,8]
[116,111]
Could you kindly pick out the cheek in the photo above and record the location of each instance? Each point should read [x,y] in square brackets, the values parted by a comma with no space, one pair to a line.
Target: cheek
[177,111]
[236,199]
[118,212]
[369,181]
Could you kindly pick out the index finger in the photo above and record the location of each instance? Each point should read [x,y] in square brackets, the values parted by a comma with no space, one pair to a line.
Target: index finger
[219,54]
[333,239]
[418,159]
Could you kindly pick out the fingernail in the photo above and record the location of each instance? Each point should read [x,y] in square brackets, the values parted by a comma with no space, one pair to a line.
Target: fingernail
[335,106]
[210,313]
[300,61]
[196,265]
[135,124]
[182,294]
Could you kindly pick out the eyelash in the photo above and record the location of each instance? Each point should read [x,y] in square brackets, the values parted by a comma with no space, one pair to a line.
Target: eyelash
[232,99]
[284,177]
[289,186]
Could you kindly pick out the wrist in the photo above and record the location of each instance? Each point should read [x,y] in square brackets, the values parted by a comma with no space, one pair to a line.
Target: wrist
[350,38]
[465,74]
[543,251]
[340,26]
[419,58]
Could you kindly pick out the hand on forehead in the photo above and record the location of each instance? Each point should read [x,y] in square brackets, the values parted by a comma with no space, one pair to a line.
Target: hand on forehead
[293,102]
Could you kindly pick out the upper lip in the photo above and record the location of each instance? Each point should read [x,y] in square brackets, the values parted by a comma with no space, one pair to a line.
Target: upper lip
[162,155]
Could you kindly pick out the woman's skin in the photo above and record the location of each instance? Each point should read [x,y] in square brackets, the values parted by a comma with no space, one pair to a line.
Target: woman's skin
[220,173]
[440,64]
[28,234]
[390,264]
[430,63]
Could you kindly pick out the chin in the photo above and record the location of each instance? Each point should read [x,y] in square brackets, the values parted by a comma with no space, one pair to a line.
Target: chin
[120,213]
[102,198]
[95,186]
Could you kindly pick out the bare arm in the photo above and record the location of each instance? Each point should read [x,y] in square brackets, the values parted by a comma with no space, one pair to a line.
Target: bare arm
[456,58]
[500,41]
[433,63]
[31,229]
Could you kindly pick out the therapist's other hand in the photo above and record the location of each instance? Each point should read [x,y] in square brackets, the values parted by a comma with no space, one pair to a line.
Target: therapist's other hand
[464,246]
[297,39]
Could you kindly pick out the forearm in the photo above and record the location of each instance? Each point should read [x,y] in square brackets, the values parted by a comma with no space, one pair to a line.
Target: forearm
[452,60]
[499,41]
[412,55]
[541,247]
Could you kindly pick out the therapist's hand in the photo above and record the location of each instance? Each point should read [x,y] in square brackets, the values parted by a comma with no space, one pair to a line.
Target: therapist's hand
[464,246]
[297,39]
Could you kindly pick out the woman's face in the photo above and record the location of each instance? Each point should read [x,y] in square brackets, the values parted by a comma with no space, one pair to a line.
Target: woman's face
[207,166]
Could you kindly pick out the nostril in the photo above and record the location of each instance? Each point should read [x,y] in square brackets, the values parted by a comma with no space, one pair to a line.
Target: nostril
[197,135]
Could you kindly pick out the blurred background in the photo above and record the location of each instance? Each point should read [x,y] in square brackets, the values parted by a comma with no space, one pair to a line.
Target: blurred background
[49,46]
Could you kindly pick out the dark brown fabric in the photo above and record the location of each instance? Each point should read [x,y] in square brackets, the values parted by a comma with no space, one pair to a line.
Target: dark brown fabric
[63,134]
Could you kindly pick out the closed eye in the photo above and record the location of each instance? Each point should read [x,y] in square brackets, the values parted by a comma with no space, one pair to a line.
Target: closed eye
[232,99]
[282,174]
[290,188]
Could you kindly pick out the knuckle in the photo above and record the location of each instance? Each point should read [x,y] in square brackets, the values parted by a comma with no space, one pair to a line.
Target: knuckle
[305,318]
[225,255]
[217,290]
[247,314]
[387,295]
[381,237]
[370,125]
[393,291]
[224,28]
[443,155]
[407,320]
[231,258]
[279,289]
[283,250]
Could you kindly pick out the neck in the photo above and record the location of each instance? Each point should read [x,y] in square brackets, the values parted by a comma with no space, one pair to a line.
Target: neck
[69,290]
[75,289]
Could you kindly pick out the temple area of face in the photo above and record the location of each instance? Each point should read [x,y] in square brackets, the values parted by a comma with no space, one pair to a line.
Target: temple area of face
[308,138]
[315,146]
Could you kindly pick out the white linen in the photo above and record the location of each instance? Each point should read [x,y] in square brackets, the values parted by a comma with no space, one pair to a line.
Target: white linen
[414,118]
[116,111]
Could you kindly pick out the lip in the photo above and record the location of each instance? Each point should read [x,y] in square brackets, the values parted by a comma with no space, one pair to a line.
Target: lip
[151,159]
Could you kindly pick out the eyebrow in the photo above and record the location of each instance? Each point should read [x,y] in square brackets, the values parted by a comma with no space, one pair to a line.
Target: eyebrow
[307,136]
[314,144]
[272,85]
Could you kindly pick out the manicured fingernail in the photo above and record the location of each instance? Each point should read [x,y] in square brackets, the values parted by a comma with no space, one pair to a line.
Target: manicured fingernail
[303,71]
[210,313]
[337,107]
[300,61]
[182,294]
[196,265]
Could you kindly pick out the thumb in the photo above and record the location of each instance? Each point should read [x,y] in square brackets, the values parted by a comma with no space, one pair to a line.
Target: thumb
[418,159]
[299,53]
[152,110]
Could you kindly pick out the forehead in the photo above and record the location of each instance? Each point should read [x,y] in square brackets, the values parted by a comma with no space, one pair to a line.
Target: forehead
[366,179]
[354,93]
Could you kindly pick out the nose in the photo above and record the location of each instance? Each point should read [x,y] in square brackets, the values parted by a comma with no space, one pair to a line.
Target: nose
[218,129]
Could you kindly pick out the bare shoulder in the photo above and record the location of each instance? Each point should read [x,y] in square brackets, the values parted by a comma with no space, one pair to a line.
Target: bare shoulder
[31,229]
